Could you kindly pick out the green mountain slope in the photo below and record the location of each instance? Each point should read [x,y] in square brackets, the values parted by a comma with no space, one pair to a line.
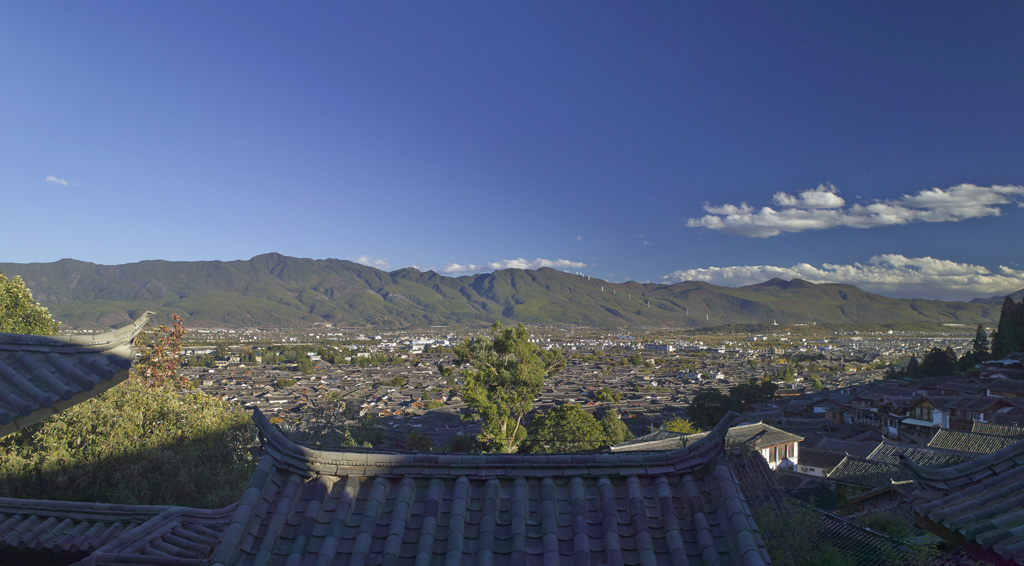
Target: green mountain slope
[273,290]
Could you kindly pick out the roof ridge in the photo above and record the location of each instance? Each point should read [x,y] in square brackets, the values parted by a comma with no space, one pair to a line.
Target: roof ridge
[103,341]
[309,462]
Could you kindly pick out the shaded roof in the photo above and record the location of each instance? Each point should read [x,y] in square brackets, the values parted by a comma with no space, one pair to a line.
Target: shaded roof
[310,507]
[868,473]
[860,449]
[982,500]
[975,403]
[43,375]
[892,452]
[1009,385]
[818,458]
[106,531]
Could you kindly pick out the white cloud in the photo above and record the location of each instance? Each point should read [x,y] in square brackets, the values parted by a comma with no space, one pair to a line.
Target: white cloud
[890,274]
[367,260]
[52,179]
[822,208]
[519,263]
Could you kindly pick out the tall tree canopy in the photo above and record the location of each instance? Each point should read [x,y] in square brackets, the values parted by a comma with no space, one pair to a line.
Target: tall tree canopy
[503,375]
[708,407]
[567,428]
[20,313]
[1009,335]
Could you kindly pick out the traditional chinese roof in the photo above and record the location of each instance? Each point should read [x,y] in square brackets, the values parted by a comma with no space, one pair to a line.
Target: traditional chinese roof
[892,452]
[868,473]
[758,436]
[310,507]
[981,500]
[43,375]
[860,449]
[1005,385]
[976,403]
[970,441]
[111,533]
[818,458]
[997,429]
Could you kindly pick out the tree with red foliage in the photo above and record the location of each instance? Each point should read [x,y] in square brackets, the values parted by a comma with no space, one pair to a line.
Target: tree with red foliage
[161,355]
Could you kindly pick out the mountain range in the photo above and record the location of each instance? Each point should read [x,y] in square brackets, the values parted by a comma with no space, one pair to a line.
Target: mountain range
[273,290]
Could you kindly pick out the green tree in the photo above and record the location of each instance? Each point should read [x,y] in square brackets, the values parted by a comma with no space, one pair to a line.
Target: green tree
[981,344]
[503,374]
[463,444]
[754,391]
[605,395]
[708,407]
[680,425]
[20,313]
[1009,335]
[913,369]
[418,441]
[370,430]
[567,428]
[939,362]
[615,431]
[305,365]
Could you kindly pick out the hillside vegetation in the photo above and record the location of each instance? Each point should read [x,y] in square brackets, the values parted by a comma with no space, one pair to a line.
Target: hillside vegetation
[273,290]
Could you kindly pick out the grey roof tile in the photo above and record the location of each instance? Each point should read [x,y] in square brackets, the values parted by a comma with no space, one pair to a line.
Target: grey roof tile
[42,375]
[692,510]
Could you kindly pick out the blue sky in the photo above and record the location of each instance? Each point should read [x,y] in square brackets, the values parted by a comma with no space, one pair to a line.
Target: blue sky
[873,143]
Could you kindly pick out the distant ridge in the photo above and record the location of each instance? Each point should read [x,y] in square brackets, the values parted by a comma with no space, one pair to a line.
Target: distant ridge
[274,290]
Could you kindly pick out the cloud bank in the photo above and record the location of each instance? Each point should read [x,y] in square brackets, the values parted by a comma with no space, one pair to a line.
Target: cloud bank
[519,263]
[821,208]
[52,179]
[367,260]
[889,274]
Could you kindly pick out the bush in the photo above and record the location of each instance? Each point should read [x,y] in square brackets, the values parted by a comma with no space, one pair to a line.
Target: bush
[134,444]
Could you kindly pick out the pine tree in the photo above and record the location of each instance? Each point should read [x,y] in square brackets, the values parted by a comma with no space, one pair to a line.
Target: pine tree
[981,344]
[1009,335]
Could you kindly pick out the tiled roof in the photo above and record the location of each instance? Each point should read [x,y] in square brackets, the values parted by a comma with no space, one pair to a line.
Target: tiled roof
[891,452]
[818,458]
[981,500]
[757,436]
[657,440]
[974,403]
[997,429]
[1007,385]
[860,449]
[970,441]
[43,375]
[105,531]
[868,473]
[309,507]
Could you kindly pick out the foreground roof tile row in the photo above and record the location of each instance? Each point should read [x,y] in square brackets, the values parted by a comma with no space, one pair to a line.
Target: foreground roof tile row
[309,507]
[981,500]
